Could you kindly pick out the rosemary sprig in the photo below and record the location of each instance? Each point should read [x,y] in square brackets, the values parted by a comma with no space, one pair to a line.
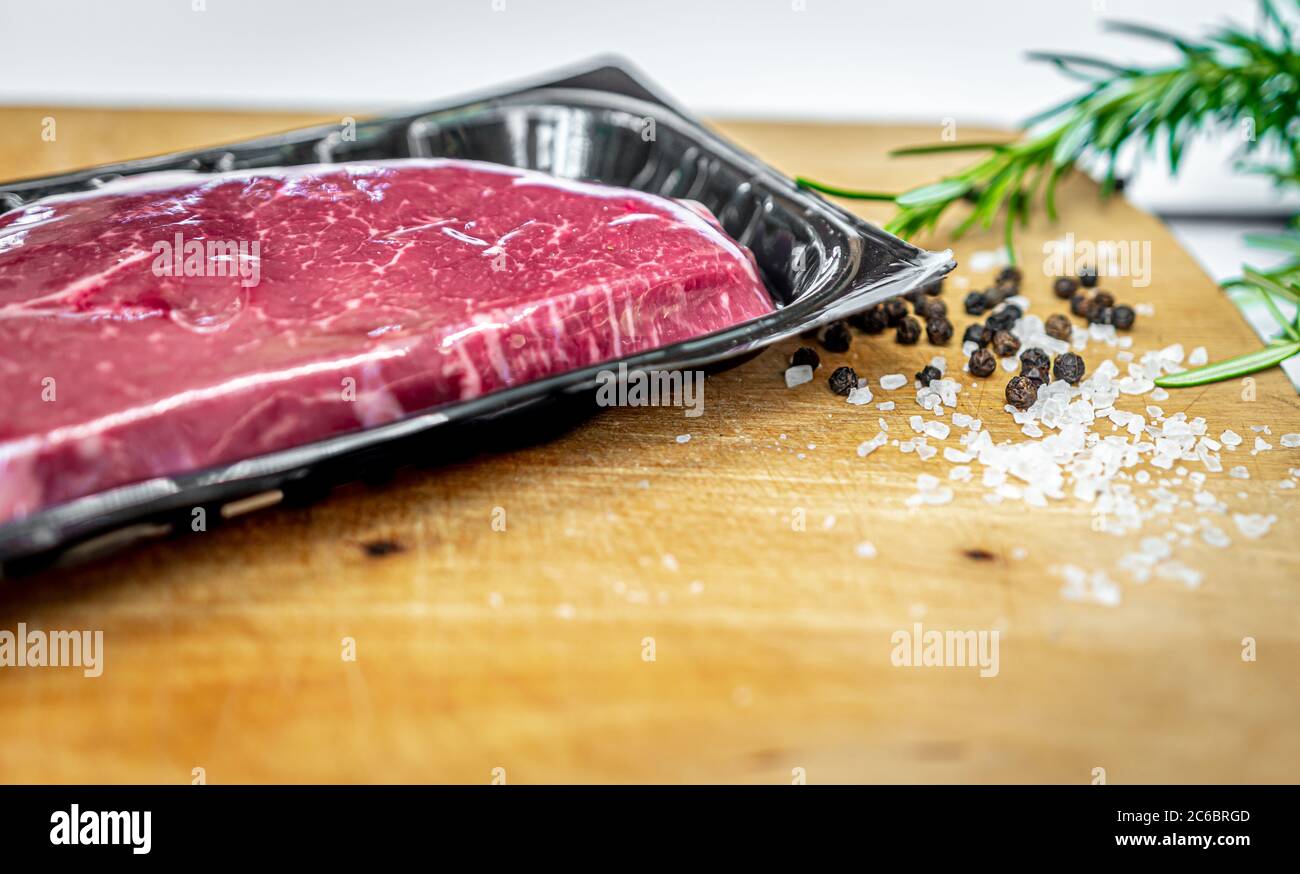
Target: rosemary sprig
[1233,78]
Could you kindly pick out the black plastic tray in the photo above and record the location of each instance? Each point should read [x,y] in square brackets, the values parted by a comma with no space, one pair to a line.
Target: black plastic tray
[601,122]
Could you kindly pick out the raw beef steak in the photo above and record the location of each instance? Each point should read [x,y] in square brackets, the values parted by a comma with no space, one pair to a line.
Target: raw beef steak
[170,322]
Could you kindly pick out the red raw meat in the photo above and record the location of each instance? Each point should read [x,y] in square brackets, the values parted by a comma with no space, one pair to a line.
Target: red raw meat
[367,292]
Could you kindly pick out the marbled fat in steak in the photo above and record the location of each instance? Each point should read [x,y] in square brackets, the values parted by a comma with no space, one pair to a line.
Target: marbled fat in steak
[170,322]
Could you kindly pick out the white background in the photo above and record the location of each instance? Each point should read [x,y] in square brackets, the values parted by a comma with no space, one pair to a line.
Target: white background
[914,60]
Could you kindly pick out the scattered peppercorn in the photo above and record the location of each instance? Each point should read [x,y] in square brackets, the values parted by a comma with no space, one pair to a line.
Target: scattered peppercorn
[1065,287]
[982,363]
[938,330]
[1010,275]
[1022,392]
[1102,316]
[980,335]
[843,380]
[835,337]
[1079,305]
[1034,357]
[1123,317]
[1088,277]
[895,312]
[871,321]
[1069,367]
[1005,344]
[1005,318]
[1059,327]
[997,294]
[806,355]
[976,303]
[934,288]
[1098,301]
[1038,376]
[909,331]
[928,374]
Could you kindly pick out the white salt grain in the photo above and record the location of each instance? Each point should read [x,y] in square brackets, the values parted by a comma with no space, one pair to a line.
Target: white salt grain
[866,549]
[892,381]
[798,375]
[1253,525]
[859,396]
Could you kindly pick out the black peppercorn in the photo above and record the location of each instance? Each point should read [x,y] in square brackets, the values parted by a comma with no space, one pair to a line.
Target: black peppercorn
[1065,287]
[934,288]
[895,312]
[1088,277]
[913,296]
[1022,392]
[997,294]
[1069,367]
[1123,317]
[982,363]
[1102,316]
[871,321]
[1034,357]
[1005,344]
[1079,305]
[835,337]
[976,303]
[806,355]
[980,335]
[1005,318]
[1098,301]
[909,331]
[1059,327]
[1011,275]
[843,380]
[1038,376]
[928,374]
[938,330]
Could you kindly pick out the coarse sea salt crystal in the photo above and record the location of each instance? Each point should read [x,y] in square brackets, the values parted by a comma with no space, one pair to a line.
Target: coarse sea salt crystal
[1253,525]
[1198,357]
[859,396]
[866,549]
[885,406]
[1290,441]
[683,438]
[933,497]
[866,447]
[1230,438]
[961,473]
[1096,587]
[1261,445]
[937,430]
[1216,537]
[1239,472]
[917,423]
[956,455]
[798,375]
[891,381]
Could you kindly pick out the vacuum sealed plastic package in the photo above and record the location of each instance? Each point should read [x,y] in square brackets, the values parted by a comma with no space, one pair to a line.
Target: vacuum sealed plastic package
[228,328]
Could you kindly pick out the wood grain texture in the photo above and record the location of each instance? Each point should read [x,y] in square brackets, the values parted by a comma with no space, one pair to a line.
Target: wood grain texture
[522,649]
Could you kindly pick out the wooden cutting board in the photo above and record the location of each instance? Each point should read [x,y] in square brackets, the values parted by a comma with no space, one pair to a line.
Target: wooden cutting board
[523,654]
